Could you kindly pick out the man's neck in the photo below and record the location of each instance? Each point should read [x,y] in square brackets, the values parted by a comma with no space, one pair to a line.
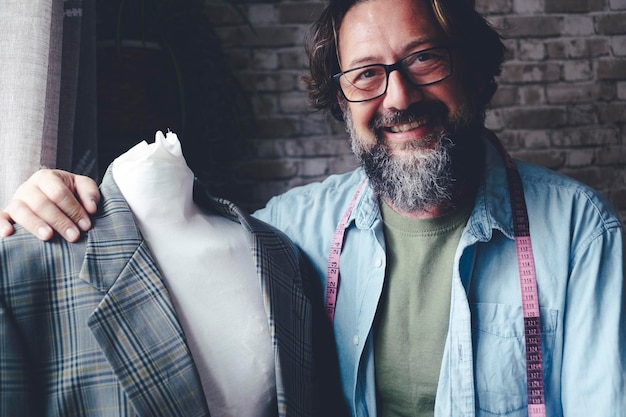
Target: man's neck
[429,213]
[463,199]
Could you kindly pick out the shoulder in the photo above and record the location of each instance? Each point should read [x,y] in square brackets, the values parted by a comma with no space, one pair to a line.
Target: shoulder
[557,193]
[312,199]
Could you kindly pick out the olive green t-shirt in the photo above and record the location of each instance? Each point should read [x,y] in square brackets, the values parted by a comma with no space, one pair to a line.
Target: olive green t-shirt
[412,318]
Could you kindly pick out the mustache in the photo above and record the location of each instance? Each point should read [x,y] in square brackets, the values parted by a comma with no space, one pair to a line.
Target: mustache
[430,109]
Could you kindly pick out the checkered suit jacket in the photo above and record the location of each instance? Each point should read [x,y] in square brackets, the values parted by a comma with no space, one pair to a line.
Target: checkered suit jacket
[88,329]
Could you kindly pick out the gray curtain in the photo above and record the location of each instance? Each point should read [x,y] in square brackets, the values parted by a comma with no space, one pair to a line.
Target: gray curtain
[47,89]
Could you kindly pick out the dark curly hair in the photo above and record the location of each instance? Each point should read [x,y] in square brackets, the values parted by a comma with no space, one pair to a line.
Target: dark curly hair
[479,43]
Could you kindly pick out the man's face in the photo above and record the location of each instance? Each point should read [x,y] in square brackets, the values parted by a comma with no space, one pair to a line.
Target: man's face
[408,128]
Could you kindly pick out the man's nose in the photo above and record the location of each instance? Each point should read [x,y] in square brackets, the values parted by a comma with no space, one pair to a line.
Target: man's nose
[401,93]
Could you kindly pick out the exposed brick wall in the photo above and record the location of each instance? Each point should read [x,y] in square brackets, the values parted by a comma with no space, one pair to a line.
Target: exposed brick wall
[561,101]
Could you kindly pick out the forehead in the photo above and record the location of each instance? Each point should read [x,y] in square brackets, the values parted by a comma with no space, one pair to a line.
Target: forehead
[383,30]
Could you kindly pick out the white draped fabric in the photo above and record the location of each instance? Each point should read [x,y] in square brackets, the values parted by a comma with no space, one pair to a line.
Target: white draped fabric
[45,101]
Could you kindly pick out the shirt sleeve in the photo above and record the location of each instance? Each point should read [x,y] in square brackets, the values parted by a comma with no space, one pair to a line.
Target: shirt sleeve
[593,371]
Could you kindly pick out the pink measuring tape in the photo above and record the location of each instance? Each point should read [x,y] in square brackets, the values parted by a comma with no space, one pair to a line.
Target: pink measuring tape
[527,275]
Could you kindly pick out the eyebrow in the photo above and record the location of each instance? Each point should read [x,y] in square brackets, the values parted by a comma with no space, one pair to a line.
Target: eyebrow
[367,60]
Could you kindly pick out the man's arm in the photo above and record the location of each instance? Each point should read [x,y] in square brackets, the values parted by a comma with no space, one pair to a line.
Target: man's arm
[52,200]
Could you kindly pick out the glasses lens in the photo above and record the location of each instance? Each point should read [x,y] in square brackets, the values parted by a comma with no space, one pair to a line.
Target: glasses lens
[363,83]
[427,67]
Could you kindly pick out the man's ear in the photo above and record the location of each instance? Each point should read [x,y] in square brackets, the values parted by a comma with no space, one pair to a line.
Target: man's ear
[338,110]
[341,102]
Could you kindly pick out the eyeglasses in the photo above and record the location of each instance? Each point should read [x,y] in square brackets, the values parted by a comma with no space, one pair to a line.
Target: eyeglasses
[425,67]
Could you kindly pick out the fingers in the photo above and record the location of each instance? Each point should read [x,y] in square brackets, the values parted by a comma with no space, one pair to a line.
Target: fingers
[21,213]
[88,193]
[6,226]
[46,203]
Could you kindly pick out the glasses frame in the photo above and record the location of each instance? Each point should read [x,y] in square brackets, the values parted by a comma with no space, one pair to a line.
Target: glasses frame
[396,66]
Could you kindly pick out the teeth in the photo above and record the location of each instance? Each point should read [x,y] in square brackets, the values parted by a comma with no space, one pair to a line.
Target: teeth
[407,126]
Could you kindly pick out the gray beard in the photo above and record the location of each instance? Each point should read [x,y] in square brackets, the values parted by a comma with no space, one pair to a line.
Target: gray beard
[416,181]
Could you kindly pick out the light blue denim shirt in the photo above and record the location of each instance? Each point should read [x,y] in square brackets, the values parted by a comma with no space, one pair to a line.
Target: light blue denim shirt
[579,257]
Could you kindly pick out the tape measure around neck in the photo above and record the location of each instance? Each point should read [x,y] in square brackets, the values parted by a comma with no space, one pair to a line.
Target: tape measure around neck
[527,276]
[332,272]
[528,284]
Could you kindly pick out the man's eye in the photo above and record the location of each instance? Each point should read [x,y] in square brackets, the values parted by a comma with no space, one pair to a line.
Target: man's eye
[368,73]
[423,57]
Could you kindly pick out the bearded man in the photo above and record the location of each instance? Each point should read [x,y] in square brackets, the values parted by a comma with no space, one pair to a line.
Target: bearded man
[461,293]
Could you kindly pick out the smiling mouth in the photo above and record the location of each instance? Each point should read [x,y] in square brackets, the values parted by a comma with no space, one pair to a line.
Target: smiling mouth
[405,127]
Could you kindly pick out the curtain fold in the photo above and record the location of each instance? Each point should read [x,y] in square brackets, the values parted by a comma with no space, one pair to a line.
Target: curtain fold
[47,89]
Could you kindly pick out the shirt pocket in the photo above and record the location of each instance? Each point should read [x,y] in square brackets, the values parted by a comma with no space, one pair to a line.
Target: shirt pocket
[500,359]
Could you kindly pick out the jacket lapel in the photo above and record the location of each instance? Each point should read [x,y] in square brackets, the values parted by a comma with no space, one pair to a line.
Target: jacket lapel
[135,323]
[289,311]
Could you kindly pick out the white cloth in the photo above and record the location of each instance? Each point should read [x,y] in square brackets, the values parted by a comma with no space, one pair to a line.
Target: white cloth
[208,268]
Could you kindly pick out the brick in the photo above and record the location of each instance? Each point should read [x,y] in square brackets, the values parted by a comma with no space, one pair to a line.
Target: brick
[264,104]
[265,81]
[534,117]
[573,6]
[238,59]
[579,158]
[584,136]
[533,26]
[315,123]
[300,12]
[612,112]
[618,198]
[577,71]
[530,73]
[510,51]
[612,69]
[549,158]
[612,156]
[531,50]
[265,59]
[576,25]
[277,127]
[532,95]
[617,4]
[264,148]
[607,90]
[618,45]
[343,163]
[527,6]
[504,96]
[262,15]
[293,58]
[612,24]
[621,90]
[293,102]
[260,36]
[269,169]
[591,176]
[312,167]
[494,6]
[577,48]
[535,139]
[511,139]
[583,114]
[311,147]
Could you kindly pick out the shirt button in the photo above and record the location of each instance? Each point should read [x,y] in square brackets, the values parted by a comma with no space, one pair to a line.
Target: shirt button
[355,340]
[378,263]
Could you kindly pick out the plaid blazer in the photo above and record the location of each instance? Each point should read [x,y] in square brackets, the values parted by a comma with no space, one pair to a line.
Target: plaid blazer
[88,329]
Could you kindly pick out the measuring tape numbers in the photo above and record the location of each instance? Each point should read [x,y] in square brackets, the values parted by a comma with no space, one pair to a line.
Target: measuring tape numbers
[527,277]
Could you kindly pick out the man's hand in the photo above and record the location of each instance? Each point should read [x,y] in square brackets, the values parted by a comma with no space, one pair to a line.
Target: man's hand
[52,200]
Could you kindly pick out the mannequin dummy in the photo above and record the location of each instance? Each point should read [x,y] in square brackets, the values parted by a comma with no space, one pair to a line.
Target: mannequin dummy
[207,265]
